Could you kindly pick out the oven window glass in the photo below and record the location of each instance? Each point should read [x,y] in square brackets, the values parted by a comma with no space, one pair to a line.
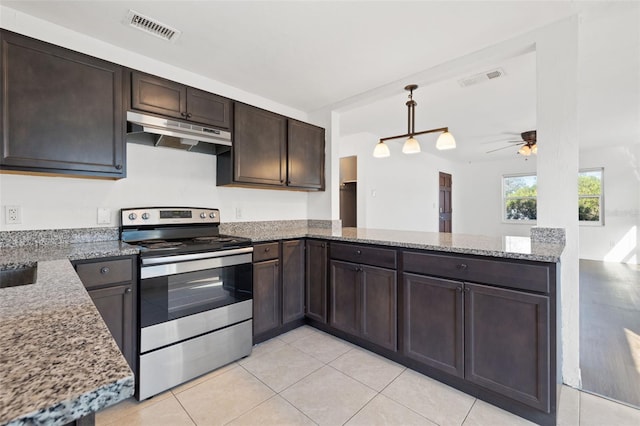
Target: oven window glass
[169,297]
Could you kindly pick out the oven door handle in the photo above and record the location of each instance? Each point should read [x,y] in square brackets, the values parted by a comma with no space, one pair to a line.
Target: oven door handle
[193,265]
[194,256]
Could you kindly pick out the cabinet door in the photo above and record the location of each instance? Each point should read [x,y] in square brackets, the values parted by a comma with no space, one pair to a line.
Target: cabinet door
[344,294]
[61,111]
[207,108]
[305,150]
[433,322]
[115,304]
[292,280]
[379,306]
[507,343]
[316,280]
[259,146]
[157,95]
[266,296]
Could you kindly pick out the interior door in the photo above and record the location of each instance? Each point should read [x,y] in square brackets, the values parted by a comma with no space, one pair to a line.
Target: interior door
[444,217]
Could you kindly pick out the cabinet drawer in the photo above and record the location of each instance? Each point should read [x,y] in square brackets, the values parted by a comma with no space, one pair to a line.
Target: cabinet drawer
[266,251]
[515,275]
[105,272]
[383,258]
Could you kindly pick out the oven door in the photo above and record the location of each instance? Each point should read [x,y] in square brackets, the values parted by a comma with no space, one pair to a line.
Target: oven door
[173,287]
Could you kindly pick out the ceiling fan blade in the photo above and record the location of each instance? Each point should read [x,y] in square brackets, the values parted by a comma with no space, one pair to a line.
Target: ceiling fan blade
[499,149]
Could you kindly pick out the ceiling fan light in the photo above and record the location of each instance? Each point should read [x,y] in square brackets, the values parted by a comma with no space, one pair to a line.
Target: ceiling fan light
[445,141]
[411,146]
[381,150]
[525,150]
[534,149]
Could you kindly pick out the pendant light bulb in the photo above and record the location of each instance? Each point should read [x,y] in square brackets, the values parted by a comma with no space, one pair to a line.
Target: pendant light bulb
[534,149]
[445,141]
[411,146]
[381,150]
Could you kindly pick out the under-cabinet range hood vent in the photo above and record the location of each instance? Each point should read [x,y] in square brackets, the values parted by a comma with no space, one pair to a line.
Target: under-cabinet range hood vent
[157,131]
[151,26]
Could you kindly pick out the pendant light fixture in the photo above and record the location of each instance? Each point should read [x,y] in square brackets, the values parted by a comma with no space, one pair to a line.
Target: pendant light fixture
[411,145]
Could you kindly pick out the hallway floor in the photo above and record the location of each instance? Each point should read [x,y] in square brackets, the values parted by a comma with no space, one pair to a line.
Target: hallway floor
[307,377]
[610,330]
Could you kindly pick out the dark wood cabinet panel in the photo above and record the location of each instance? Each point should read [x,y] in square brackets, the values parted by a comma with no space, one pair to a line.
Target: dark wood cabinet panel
[115,304]
[507,343]
[266,296]
[61,111]
[379,306]
[305,155]
[434,322]
[266,251]
[293,262]
[316,280]
[170,99]
[157,95]
[362,254]
[259,146]
[344,296]
[111,284]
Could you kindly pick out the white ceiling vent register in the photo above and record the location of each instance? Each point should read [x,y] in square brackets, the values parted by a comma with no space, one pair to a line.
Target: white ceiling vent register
[151,26]
[482,77]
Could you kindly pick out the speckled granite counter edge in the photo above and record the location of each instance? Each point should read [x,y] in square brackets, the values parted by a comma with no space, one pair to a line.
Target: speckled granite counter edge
[47,237]
[81,406]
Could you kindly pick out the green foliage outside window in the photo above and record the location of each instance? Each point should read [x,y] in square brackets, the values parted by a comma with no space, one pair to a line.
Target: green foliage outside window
[589,193]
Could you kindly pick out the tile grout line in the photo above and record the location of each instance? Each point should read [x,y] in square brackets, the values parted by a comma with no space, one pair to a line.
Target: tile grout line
[185,409]
[469,412]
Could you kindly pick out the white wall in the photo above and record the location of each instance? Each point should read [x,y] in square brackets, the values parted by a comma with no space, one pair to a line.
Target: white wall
[155,176]
[398,192]
[479,192]
[617,240]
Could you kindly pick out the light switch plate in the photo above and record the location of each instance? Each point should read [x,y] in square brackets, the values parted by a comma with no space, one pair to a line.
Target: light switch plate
[104,216]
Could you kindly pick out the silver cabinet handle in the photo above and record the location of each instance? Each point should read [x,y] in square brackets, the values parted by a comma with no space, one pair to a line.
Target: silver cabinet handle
[104,270]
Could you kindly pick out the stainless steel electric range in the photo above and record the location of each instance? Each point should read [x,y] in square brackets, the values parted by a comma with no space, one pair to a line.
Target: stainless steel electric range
[195,294]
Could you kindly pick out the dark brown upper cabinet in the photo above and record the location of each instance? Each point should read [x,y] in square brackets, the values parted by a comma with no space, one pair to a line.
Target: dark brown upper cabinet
[170,99]
[272,151]
[62,112]
[305,155]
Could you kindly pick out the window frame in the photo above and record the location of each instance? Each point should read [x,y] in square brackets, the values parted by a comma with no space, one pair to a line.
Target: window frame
[601,197]
[503,214]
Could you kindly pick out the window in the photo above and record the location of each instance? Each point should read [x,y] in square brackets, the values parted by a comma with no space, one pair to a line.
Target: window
[519,198]
[590,196]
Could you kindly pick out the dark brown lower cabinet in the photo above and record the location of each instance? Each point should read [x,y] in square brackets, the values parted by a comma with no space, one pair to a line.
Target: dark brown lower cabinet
[363,302]
[266,296]
[316,280]
[507,343]
[111,284]
[293,270]
[434,322]
[115,304]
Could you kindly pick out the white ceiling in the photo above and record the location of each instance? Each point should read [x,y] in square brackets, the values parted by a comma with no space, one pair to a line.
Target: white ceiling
[306,54]
[312,54]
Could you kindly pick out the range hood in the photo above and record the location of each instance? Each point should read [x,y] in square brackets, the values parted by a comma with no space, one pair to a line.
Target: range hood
[157,131]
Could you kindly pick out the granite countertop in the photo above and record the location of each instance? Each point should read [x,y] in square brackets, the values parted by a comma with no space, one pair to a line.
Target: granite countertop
[58,361]
[503,247]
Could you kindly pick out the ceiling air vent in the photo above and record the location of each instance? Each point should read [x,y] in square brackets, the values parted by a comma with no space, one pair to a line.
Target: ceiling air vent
[151,26]
[479,78]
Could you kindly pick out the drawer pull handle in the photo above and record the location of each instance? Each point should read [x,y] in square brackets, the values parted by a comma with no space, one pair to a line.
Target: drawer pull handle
[462,266]
[104,270]
[322,245]
[268,249]
[358,251]
[127,290]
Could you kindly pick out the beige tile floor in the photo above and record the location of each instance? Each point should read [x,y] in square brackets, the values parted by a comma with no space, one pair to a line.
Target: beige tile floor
[307,377]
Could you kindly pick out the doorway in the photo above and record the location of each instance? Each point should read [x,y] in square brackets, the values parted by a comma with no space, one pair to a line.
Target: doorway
[349,191]
[444,216]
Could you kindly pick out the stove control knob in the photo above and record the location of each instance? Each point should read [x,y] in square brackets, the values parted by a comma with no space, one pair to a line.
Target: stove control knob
[203,215]
[145,216]
[212,215]
[133,216]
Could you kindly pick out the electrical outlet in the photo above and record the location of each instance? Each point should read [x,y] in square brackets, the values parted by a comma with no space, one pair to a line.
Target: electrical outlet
[12,215]
[104,216]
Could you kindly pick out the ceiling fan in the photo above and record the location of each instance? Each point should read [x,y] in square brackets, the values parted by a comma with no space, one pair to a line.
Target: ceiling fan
[528,144]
